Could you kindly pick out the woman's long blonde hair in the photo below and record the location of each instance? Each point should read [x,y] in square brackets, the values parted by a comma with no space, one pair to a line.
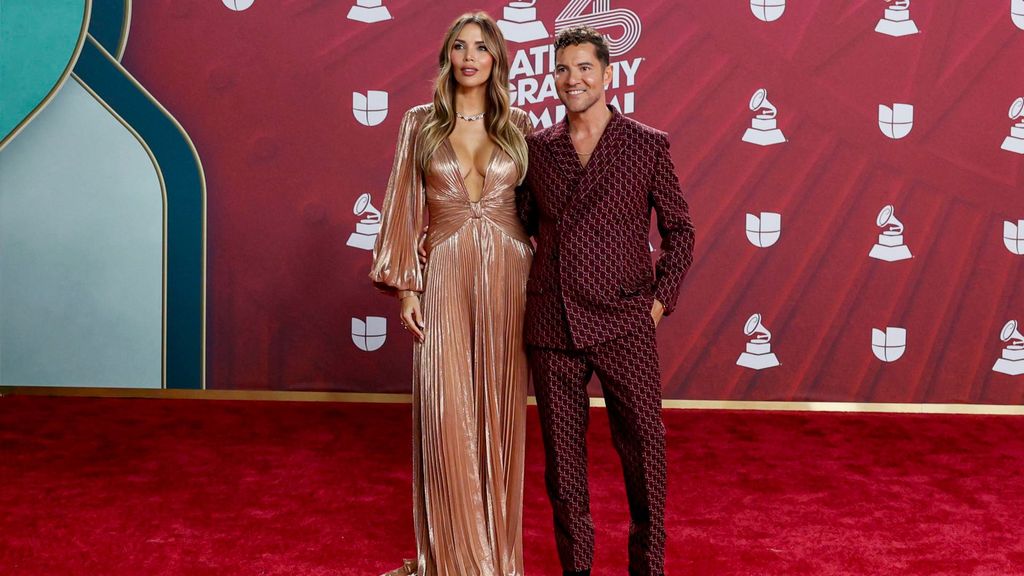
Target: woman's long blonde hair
[500,127]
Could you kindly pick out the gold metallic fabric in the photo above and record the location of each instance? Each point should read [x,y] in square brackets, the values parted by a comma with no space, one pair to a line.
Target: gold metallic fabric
[470,373]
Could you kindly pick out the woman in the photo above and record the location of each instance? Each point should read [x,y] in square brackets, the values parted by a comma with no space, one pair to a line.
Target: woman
[459,160]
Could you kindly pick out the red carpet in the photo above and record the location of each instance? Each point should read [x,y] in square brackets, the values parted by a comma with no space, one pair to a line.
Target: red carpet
[147,487]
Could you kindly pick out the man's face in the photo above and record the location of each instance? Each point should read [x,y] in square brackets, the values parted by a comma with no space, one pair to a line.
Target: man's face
[580,78]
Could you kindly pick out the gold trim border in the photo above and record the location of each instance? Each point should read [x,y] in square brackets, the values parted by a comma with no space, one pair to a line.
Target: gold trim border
[163,198]
[126,24]
[387,398]
[862,407]
[176,393]
[86,17]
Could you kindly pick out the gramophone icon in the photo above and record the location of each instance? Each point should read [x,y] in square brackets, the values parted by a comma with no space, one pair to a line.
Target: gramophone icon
[366,229]
[519,22]
[759,353]
[890,246]
[763,130]
[1012,360]
[896,21]
[369,11]
[1015,141]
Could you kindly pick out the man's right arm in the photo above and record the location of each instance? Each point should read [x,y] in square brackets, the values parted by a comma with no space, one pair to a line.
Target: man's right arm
[526,202]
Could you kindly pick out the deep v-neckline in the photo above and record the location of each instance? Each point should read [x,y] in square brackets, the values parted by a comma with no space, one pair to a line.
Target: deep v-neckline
[462,179]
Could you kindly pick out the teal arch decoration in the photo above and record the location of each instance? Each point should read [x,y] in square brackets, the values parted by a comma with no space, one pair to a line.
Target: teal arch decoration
[82,279]
[186,208]
[39,44]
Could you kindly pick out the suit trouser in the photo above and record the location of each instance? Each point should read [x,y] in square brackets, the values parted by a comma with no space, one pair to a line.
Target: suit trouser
[630,378]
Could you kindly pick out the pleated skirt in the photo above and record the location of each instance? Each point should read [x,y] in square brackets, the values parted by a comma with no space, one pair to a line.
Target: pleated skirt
[469,405]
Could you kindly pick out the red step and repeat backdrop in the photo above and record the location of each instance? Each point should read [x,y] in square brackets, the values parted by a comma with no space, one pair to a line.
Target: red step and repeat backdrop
[855,171]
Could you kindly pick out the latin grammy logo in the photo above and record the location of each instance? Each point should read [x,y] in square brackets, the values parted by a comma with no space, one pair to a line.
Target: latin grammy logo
[519,23]
[1012,360]
[369,11]
[889,346]
[896,21]
[758,355]
[1015,141]
[764,230]
[370,109]
[890,246]
[1017,13]
[1013,236]
[763,130]
[239,5]
[768,10]
[603,17]
[896,122]
[369,335]
[366,229]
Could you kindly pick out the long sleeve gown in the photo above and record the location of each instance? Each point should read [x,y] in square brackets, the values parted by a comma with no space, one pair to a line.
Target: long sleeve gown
[470,373]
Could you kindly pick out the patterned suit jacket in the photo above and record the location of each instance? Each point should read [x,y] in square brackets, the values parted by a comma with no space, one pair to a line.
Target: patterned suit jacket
[592,278]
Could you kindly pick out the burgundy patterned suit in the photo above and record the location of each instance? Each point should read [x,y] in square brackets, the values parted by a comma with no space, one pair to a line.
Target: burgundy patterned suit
[588,310]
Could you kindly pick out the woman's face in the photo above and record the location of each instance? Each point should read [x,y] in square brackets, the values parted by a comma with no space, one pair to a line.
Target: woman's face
[471,60]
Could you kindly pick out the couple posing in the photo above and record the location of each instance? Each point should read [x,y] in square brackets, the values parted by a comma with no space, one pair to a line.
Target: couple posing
[478,309]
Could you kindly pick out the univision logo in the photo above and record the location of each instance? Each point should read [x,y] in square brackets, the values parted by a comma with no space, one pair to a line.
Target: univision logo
[370,334]
[896,122]
[764,230]
[889,346]
[1013,236]
[370,109]
[768,10]
[239,5]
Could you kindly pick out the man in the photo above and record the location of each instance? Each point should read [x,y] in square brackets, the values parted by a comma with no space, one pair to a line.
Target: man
[593,300]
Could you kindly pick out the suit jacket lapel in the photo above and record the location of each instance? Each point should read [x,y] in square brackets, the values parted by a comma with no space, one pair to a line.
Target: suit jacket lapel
[566,162]
[607,152]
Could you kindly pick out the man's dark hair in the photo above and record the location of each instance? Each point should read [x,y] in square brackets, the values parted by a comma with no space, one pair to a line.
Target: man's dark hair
[576,35]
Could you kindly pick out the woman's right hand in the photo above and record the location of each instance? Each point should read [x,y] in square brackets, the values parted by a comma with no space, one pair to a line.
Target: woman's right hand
[412,317]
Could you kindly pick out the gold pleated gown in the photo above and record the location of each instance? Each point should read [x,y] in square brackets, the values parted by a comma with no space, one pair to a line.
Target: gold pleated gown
[470,373]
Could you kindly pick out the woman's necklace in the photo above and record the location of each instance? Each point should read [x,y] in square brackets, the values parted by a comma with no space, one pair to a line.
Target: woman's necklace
[472,118]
